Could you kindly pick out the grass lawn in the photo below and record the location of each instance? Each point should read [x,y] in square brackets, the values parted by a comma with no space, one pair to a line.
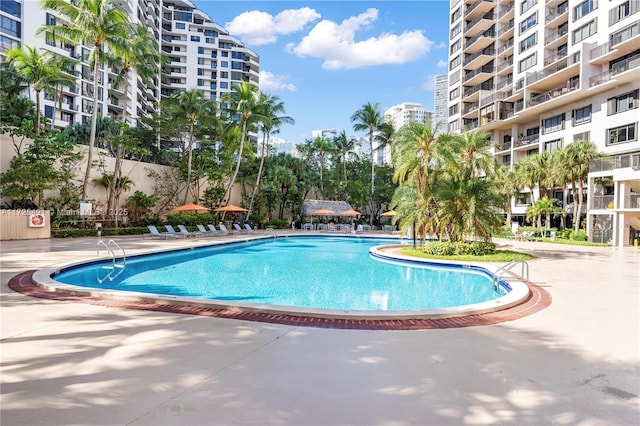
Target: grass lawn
[498,256]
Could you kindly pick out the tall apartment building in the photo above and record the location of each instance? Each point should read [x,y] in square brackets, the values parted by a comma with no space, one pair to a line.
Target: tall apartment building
[440,105]
[537,75]
[202,55]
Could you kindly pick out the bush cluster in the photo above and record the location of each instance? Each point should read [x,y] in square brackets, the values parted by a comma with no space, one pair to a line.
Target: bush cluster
[450,248]
[91,232]
[278,224]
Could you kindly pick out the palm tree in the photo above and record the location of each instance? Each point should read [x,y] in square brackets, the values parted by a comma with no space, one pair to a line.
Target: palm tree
[244,103]
[271,122]
[96,23]
[547,207]
[344,146]
[191,106]
[12,83]
[40,69]
[140,52]
[508,186]
[368,118]
[579,154]
[475,156]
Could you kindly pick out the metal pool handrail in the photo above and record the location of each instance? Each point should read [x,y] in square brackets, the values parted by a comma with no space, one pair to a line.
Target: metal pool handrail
[524,271]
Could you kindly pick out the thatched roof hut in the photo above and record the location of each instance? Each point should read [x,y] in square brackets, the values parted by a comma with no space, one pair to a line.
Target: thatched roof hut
[310,206]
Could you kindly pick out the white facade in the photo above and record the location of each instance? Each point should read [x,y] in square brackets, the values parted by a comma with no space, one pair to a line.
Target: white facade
[406,112]
[202,55]
[537,75]
[440,106]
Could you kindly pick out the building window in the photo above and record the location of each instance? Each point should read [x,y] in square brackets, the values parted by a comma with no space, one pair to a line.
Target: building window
[454,62]
[454,93]
[533,151]
[527,62]
[195,38]
[456,30]
[10,27]
[200,50]
[526,5]
[523,199]
[11,7]
[506,160]
[224,74]
[454,109]
[180,26]
[622,103]
[224,85]
[584,31]
[529,22]
[201,71]
[455,46]
[456,15]
[200,61]
[201,82]
[50,19]
[528,42]
[583,9]
[582,115]
[622,134]
[225,54]
[553,145]
[623,11]
[454,125]
[553,124]
[584,136]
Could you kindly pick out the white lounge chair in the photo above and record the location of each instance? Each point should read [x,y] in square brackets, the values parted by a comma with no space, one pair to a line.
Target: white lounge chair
[172,231]
[184,231]
[154,233]
[248,227]
[238,228]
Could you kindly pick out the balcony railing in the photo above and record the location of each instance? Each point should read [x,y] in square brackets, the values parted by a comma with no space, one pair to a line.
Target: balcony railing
[469,107]
[616,38]
[508,27]
[602,201]
[615,162]
[555,13]
[505,83]
[527,140]
[556,35]
[553,93]
[482,70]
[487,51]
[490,16]
[476,4]
[555,57]
[505,10]
[505,47]
[571,60]
[489,34]
[623,66]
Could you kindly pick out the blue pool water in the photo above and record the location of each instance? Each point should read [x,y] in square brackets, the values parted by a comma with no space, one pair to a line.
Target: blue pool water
[316,272]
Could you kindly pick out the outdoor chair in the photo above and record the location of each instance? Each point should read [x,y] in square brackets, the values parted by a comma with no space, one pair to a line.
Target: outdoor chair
[238,228]
[223,228]
[213,229]
[183,230]
[204,231]
[154,233]
[172,231]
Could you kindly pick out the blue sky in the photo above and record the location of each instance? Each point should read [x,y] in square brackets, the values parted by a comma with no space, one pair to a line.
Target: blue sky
[326,59]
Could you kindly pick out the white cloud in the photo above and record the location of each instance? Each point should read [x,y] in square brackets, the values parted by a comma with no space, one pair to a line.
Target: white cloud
[270,81]
[337,46]
[442,63]
[259,28]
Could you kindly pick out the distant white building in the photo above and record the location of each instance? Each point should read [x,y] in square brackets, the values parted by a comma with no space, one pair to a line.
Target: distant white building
[440,101]
[406,112]
[325,133]
[280,145]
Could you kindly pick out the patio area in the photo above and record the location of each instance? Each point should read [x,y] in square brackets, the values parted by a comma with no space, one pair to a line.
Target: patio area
[575,362]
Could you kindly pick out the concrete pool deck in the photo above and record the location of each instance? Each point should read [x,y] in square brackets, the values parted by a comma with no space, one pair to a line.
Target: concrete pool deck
[575,362]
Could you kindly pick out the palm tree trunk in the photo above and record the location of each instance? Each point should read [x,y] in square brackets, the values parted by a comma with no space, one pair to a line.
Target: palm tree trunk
[576,225]
[576,215]
[186,193]
[255,188]
[235,172]
[37,112]
[113,201]
[373,170]
[94,123]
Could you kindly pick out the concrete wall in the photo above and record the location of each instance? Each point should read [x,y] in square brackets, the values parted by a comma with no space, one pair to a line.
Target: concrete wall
[24,224]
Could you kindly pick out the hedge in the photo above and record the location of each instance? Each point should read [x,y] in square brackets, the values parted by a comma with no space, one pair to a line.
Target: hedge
[90,232]
[450,248]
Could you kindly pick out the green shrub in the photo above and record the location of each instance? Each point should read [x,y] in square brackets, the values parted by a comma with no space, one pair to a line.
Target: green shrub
[91,232]
[580,236]
[278,224]
[191,219]
[449,248]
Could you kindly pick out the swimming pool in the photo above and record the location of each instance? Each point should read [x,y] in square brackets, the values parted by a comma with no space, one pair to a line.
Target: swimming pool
[315,275]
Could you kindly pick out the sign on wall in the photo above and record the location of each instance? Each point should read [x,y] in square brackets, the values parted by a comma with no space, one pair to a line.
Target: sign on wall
[36,220]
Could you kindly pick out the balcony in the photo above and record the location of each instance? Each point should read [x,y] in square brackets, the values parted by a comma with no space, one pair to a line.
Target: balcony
[556,37]
[478,75]
[505,67]
[497,96]
[550,59]
[561,70]
[619,68]
[615,162]
[620,43]
[472,94]
[480,41]
[543,97]
[557,16]
[527,141]
[479,58]
[478,8]
[479,25]
[469,108]
[602,202]
[506,12]
[504,83]
[504,146]
[506,49]
[506,31]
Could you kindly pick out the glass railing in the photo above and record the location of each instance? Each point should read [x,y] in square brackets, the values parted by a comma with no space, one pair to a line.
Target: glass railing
[615,162]
[620,67]
[616,38]
[558,12]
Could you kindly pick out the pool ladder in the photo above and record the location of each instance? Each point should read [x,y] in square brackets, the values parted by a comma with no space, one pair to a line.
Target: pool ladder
[116,268]
[272,232]
[499,274]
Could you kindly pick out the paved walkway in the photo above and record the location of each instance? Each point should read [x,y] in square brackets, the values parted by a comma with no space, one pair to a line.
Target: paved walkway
[575,362]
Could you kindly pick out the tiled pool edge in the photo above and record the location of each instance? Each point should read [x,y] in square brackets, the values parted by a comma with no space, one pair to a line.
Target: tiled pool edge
[537,300]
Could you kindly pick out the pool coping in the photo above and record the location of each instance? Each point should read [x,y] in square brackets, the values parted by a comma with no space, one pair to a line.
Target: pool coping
[528,299]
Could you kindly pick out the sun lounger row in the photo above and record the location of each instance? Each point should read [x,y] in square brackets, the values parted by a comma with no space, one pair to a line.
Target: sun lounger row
[202,231]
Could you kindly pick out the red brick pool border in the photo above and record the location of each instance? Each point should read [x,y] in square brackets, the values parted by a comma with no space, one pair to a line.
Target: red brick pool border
[538,299]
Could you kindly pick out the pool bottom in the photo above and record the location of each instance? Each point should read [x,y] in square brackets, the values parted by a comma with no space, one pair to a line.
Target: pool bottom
[537,300]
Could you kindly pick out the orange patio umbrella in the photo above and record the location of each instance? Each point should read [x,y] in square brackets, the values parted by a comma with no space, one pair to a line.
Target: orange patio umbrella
[190,208]
[389,213]
[231,209]
[350,212]
[323,212]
